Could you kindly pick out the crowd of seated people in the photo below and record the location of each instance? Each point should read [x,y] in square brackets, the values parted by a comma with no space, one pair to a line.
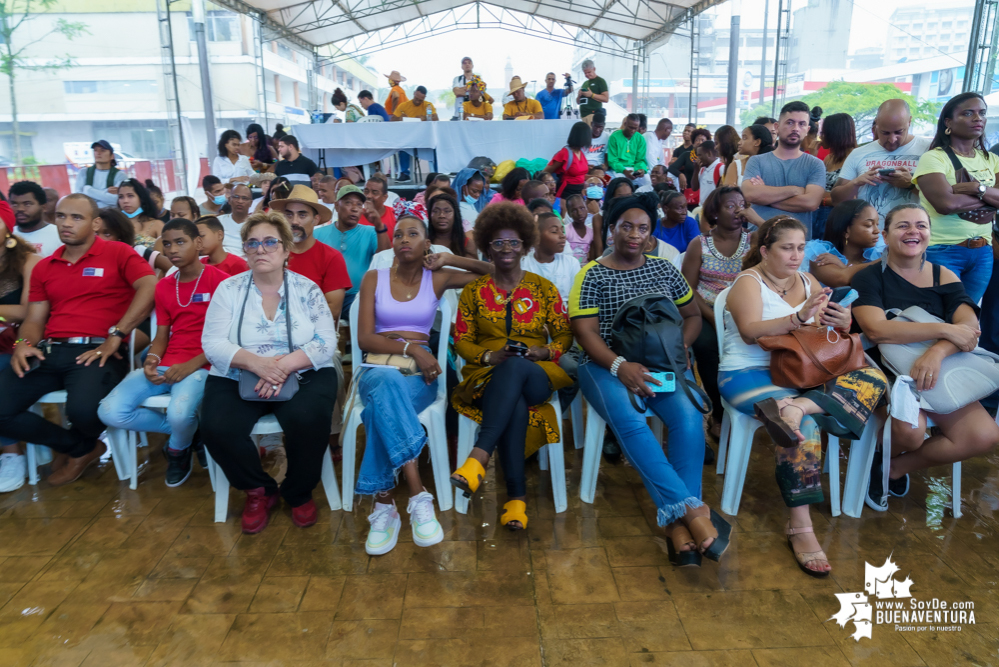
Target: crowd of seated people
[235,307]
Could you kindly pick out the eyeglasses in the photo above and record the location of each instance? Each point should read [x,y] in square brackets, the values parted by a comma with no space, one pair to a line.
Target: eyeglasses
[500,244]
[269,245]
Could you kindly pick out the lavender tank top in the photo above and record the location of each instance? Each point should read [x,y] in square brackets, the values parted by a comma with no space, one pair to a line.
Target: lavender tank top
[416,316]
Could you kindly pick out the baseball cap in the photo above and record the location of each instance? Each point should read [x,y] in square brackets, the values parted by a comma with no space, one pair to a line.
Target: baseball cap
[102,143]
[350,190]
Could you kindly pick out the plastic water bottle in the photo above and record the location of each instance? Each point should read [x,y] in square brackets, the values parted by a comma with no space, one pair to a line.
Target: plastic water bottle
[430,114]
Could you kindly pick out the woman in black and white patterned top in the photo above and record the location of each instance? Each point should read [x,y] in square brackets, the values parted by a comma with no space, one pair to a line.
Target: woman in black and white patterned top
[601,288]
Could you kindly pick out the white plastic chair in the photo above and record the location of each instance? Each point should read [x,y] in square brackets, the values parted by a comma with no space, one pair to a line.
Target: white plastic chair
[550,456]
[433,418]
[594,447]
[371,119]
[678,261]
[265,426]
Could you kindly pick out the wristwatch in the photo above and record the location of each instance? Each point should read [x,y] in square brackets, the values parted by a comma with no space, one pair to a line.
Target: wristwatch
[981,190]
[115,331]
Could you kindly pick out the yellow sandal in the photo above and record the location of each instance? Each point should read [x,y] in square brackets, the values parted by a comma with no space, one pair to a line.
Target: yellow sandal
[473,474]
[514,510]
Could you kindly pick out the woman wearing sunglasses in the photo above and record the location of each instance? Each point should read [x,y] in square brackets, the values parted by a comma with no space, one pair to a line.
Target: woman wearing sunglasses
[511,330]
[256,368]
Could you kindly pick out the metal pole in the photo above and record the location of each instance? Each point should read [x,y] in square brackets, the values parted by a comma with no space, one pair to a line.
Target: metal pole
[990,64]
[263,79]
[691,104]
[763,57]
[633,107]
[198,14]
[176,99]
[780,9]
[974,54]
[733,66]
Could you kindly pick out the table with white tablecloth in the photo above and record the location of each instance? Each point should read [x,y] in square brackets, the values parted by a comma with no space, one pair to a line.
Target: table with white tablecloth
[454,143]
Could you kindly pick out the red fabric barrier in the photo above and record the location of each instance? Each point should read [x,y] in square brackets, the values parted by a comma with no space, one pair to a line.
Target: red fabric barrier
[55,176]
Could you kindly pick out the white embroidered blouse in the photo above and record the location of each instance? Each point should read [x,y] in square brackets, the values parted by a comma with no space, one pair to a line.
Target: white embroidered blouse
[312,327]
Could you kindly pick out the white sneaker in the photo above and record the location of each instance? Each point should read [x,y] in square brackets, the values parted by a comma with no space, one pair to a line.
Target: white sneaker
[427,530]
[13,472]
[384,533]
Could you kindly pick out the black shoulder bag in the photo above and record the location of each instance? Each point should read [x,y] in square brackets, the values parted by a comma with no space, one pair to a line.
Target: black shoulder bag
[649,330]
[248,379]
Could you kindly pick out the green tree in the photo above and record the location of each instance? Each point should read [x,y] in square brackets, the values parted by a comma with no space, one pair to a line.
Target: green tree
[860,100]
[14,14]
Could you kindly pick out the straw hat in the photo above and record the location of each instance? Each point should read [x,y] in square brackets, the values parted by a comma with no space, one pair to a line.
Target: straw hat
[395,76]
[515,85]
[303,194]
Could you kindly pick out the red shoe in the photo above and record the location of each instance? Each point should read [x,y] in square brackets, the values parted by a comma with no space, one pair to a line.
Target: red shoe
[305,515]
[257,511]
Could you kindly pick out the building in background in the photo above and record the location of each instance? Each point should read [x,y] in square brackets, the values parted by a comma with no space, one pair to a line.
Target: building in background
[116,89]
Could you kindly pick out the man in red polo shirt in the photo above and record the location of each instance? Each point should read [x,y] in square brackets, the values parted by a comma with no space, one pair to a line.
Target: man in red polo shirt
[85,300]
[376,213]
[316,261]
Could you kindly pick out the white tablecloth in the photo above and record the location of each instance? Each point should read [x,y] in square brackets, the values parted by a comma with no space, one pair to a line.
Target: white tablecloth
[456,142]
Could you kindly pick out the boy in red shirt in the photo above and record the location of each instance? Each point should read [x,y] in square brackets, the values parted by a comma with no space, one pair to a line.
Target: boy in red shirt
[212,251]
[85,300]
[175,364]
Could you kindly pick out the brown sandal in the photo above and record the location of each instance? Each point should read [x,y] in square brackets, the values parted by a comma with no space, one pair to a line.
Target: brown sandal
[805,557]
[768,412]
[677,538]
[714,528]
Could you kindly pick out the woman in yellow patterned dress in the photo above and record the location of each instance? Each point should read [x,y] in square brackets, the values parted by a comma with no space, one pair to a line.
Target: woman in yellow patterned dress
[511,330]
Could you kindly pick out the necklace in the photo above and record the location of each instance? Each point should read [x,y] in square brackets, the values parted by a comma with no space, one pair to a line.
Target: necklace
[193,291]
[777,288]
[394,275]
[501,300]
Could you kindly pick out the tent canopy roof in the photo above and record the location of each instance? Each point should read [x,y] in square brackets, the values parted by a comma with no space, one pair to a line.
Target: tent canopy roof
[324,22]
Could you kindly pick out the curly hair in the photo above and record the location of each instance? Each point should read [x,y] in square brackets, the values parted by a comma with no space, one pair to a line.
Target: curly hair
[500,216]
[13,259]
[271,218]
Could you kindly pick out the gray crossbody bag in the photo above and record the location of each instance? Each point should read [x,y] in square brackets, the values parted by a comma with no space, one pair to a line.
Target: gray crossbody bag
[247,379]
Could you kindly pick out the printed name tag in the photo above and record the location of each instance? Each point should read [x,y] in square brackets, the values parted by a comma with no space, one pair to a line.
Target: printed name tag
[90,271]
[201,298]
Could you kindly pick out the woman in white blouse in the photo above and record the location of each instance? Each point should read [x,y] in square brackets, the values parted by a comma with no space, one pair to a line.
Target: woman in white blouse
[231,166]
[246,333]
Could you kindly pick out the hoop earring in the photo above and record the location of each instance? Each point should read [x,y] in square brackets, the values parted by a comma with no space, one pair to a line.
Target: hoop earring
[11,242]
[947,131]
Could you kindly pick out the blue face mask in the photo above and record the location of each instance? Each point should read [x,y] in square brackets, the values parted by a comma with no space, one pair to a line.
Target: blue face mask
[136,213]
[470,199]
[219,200]
[594,192]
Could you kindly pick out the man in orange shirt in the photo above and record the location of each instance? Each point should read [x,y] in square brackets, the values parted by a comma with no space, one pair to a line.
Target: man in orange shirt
[396,97]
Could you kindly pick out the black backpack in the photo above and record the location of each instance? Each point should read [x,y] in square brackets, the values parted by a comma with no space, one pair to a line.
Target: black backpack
[649,330]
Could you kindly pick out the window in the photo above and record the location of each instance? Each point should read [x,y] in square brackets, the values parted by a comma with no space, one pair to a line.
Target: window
[219,26]
[285,52]
[111,87]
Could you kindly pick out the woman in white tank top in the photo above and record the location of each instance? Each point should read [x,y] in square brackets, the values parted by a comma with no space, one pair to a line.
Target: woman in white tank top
[772,297]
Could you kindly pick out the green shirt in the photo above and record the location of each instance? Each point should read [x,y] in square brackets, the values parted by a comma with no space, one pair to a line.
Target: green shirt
[951,229]
[625,154]
[588,105]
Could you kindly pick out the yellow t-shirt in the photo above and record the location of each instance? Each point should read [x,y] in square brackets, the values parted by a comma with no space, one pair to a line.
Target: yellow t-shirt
[526,105]
[409,109]
[951,229]
[477,111]
[388,100]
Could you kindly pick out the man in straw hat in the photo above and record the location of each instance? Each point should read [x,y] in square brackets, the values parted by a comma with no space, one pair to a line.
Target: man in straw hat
[520,106]
[396,97]
[316,261]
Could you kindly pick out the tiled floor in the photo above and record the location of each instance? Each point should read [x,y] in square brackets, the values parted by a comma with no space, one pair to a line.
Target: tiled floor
[96,574]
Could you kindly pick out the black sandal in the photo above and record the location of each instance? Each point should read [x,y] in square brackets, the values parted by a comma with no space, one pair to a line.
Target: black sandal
[768,412]
[678,558]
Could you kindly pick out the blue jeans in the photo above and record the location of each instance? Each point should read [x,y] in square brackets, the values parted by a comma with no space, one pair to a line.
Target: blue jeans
[121,408]
[403,162]
[348,301]
[674,480]
[392,403]
[973,266]
[4,362]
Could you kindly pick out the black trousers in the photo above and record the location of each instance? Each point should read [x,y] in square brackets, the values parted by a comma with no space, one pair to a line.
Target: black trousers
[706,356]
[515,385]
[86,387]
[227,420]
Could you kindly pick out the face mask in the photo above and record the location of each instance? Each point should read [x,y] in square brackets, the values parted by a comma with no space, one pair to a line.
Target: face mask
[594,192]
[136,213]
[470,199]
[219,200]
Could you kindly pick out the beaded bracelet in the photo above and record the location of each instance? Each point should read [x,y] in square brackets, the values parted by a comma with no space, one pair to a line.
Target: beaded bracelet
[22,340]
[158,357]
[616,365]
[404,348]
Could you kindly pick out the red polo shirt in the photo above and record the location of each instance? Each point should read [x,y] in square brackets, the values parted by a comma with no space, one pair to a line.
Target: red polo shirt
[388,218]
[186,322]
[322,265]
[232,265]
[91,296]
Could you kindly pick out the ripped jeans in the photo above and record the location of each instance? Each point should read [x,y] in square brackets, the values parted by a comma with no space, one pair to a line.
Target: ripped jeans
[122,407]
[392,403]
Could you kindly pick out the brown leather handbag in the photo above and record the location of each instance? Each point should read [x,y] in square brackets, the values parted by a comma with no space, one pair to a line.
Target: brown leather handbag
[811,356]
[982,216]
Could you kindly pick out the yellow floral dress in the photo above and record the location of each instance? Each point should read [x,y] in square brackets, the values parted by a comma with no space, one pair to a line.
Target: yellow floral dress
[487,317]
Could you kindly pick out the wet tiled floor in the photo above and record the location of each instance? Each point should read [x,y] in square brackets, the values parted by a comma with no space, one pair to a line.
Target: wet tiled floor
[96,574]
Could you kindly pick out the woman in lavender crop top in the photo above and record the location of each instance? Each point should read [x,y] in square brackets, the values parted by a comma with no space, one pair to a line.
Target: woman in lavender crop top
[397,307]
